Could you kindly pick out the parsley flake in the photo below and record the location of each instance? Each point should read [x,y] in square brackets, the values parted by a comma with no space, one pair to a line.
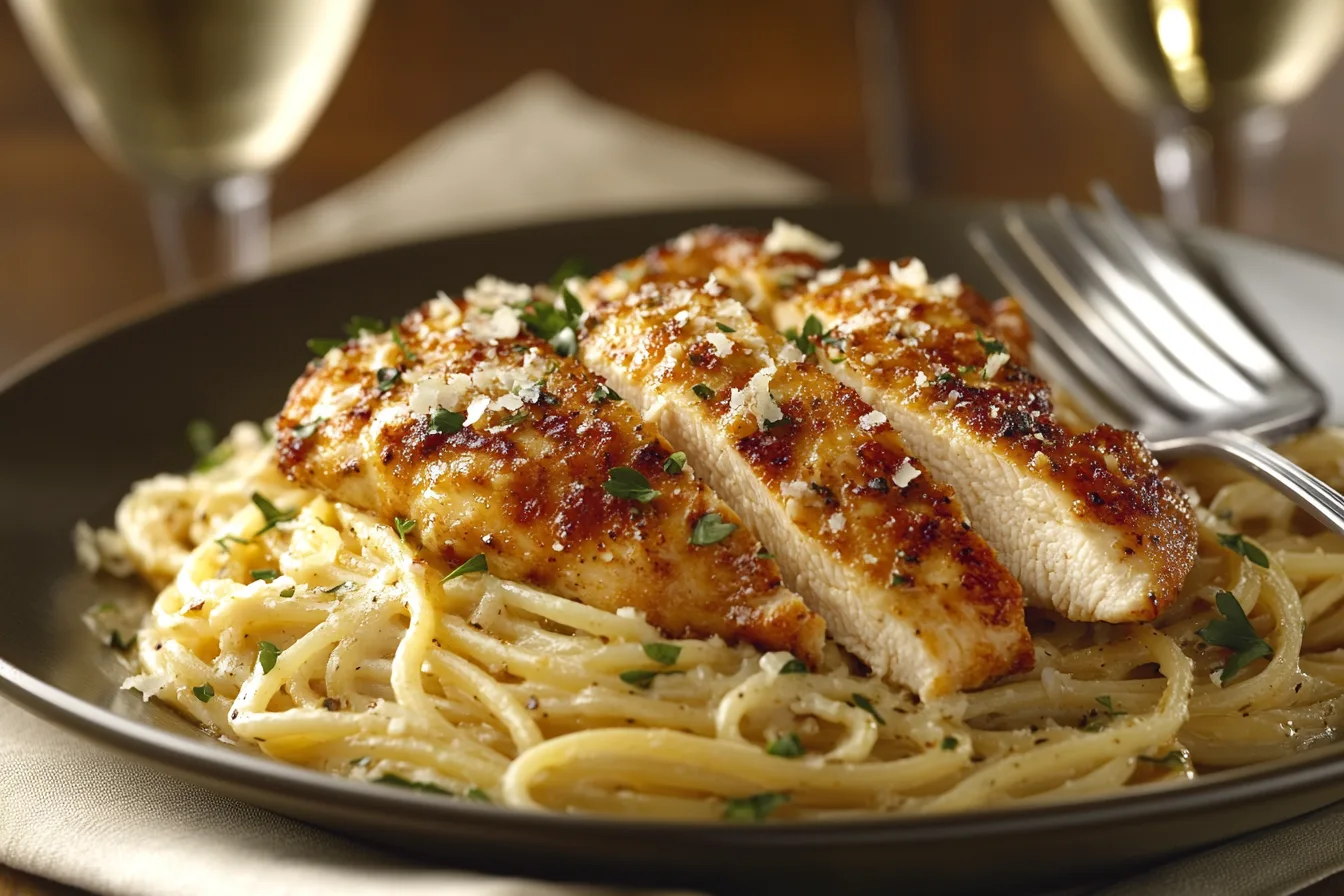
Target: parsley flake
[288,592]
[272,514]
[753,808]
[787,746]
[949,743]
[264,575]
[387,377]
[811,327]
[1235,633]
[304,430]
[627,482]
[514,419]
[899,579]
[477,795]
[674,463]
[1238,543]
[763,554]
[117,642]
[663,654]
[944,378]
[991,346]
[711,529]
[1173,759]
[358,325]
[603,392]
[204,692]
[861,702]
[396,337]
[782,421]
[399,781]
[570,267]
[267,654]
[223,541]
[334,588]
[320,345]
[475,564]
[724,328]
[446,422]
[640,678]
[209,452]
[403,526]
[1105,702]
[703,392]
[794,666]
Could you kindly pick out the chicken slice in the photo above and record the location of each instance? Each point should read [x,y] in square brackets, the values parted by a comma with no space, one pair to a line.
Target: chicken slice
[1086,521]
[496,445]
[860,528]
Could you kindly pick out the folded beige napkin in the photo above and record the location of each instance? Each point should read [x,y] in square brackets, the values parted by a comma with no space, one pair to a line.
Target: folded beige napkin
[74,812]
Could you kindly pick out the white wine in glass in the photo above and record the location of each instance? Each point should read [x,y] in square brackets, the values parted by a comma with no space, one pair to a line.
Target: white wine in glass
[200,100]
[1214,77]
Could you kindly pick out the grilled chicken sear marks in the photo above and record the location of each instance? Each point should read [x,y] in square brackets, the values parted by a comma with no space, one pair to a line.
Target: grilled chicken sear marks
[495,444]
[860,527]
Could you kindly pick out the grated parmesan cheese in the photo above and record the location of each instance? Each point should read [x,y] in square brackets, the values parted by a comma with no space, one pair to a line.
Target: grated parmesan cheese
[836,522]
[905,474]
[492,292]
[790,354]
[913,274]
[872,420]
[787,237]
[476,409]
[995,362]
[755,398]
[722,344]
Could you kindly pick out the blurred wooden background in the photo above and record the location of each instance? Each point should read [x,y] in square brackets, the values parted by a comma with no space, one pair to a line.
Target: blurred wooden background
[1000,104]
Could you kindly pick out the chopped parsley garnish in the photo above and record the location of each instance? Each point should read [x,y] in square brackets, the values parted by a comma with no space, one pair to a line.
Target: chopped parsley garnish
[570,267]
[209,452]
[603,392]
[675,462]
[446,422]
[787,745]
[640,678]
[288,592]
[1235,633]
[794,666]
[387,377]
[1238,543]
[663,654]
[223,541]
[861,702]
[513,419]
[811,327]
[724,328]
[711,529]
[782,421]
[754,808]
[565,343]
[204,692]
[573,307]
[1173,759]
[320,345]
[1105,702]
[477,795]
[399,781]
[944,378]
[475,564]
[358,325]
[117,642]
[264,575]
[703,392]
[626,482]
[949,743]
[899,579]
[334,588]
[991,346]
[553,324]
[304,430]
[396,337]
[272,514]
[763,554]
[403,526]
[267,654]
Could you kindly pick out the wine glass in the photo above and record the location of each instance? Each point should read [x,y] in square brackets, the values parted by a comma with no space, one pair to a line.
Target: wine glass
[1215,78]
[200,100]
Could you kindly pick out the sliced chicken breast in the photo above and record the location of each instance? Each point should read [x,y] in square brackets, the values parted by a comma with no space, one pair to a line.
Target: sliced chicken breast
[859,526]
[496,445]
[1086,521]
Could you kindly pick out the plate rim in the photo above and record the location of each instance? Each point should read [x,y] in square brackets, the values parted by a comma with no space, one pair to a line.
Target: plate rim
[200,761]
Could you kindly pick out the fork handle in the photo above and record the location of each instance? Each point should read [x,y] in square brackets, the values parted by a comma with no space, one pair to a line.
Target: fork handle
[1308,492]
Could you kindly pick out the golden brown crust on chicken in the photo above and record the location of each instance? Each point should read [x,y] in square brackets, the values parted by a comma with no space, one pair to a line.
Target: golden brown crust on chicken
[522,479]
[860,528]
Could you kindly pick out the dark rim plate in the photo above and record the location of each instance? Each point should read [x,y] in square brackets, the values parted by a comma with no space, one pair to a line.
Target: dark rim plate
[107,406]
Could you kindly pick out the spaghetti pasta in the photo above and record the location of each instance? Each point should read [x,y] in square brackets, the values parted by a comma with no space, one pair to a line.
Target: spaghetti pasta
[326,638]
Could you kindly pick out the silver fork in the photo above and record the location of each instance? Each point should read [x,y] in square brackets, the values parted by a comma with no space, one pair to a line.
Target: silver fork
[1126,322]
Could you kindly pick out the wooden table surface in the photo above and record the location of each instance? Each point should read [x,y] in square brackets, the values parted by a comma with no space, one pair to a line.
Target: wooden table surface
[997,103]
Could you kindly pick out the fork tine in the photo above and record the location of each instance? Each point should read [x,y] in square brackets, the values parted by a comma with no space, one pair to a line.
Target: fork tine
[1175,284]
[1114,333]
[1148,317]
[1075,353]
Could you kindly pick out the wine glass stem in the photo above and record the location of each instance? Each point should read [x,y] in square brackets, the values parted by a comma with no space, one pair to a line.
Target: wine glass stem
[219,230]
[1219,169]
